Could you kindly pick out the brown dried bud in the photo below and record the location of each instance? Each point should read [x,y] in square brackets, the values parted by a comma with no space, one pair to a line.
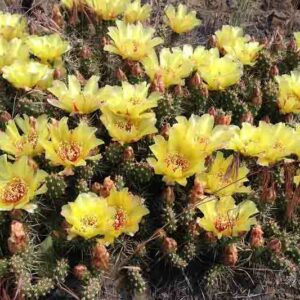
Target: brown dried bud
[292,46]
[196,81]
[269,194]
[231,255]
[178,90]
[256,237]
[57,16]
[80,271]
[136,70]
[212,111]
[275,246]
[128,153]
[106,187]
[158,85]
[100,257]
[169,245]
[257,97]
[204,91]
[5,117]
[168,195]
[85,52]
[120,75]
[247,117]
[212,42]
[196,192]
[223,119]
[164,131]
[266,119]
[80,77]
[18,239]
[274,71]
[58,73]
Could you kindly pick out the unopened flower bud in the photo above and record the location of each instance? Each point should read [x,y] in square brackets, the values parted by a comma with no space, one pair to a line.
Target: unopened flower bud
[168,195]
[164,131]
[247,117]
[178,90]
[257,97]
[5,117]
[100,257]
[212,41]
[256,237]
[80,271]
[210,237]
[169,245]
[230,255]
[57,16]
[196,192]
[136,70]
[275,246]
[80,77]
[128,153]
[160,233]
[274,71]
[223,119]
[106,187]
[212,111]
[196,81]
[120,75]
[18,239]
[269,194]
[266,119]
[292,46]
[157,84]
[204,91]
[58,73]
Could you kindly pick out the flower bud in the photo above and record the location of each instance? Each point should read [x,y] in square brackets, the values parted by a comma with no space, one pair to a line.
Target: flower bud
[164,131]
[257,97]
[160,233]
[223,119]
[169,245]
[230,255]
[178,90]
[158,85]
[274,71]
[57,16]
[18,239]
[269,194]
[292,46]
[210,237]
[100,257]
[275,246]
[136,70]
[168,195]
[212,111]
[196,81]
[120,75]
[212,42]
[197,192]
[5,117]
[106,187]
[128,153]
[256,237]
[247,117]
[80,271]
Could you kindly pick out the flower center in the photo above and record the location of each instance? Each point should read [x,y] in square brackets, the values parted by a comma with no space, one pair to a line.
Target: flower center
[125,125]
[32,139]
[14,191]
[222,224]
[88,222]
[177,161]
[69,151]
[120,219]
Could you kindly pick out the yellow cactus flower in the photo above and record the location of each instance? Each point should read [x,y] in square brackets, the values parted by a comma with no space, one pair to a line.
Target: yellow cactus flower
[88,216]
[289,92]
[47,48]
[12,50]
[135,12]
[223,218]
[203,57]
[181,20]
[222,73]
[228,35]
[20,182]
[129,100]
[297,39]
[176,158]
[173,65]
[23,136]
[223,177]
[12,26]
[71,148]
[125,129]
[246,53]
[73,98]
[107,9]
[270,143]
[132,41]
[202,132]
[129,211]
[27,75]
